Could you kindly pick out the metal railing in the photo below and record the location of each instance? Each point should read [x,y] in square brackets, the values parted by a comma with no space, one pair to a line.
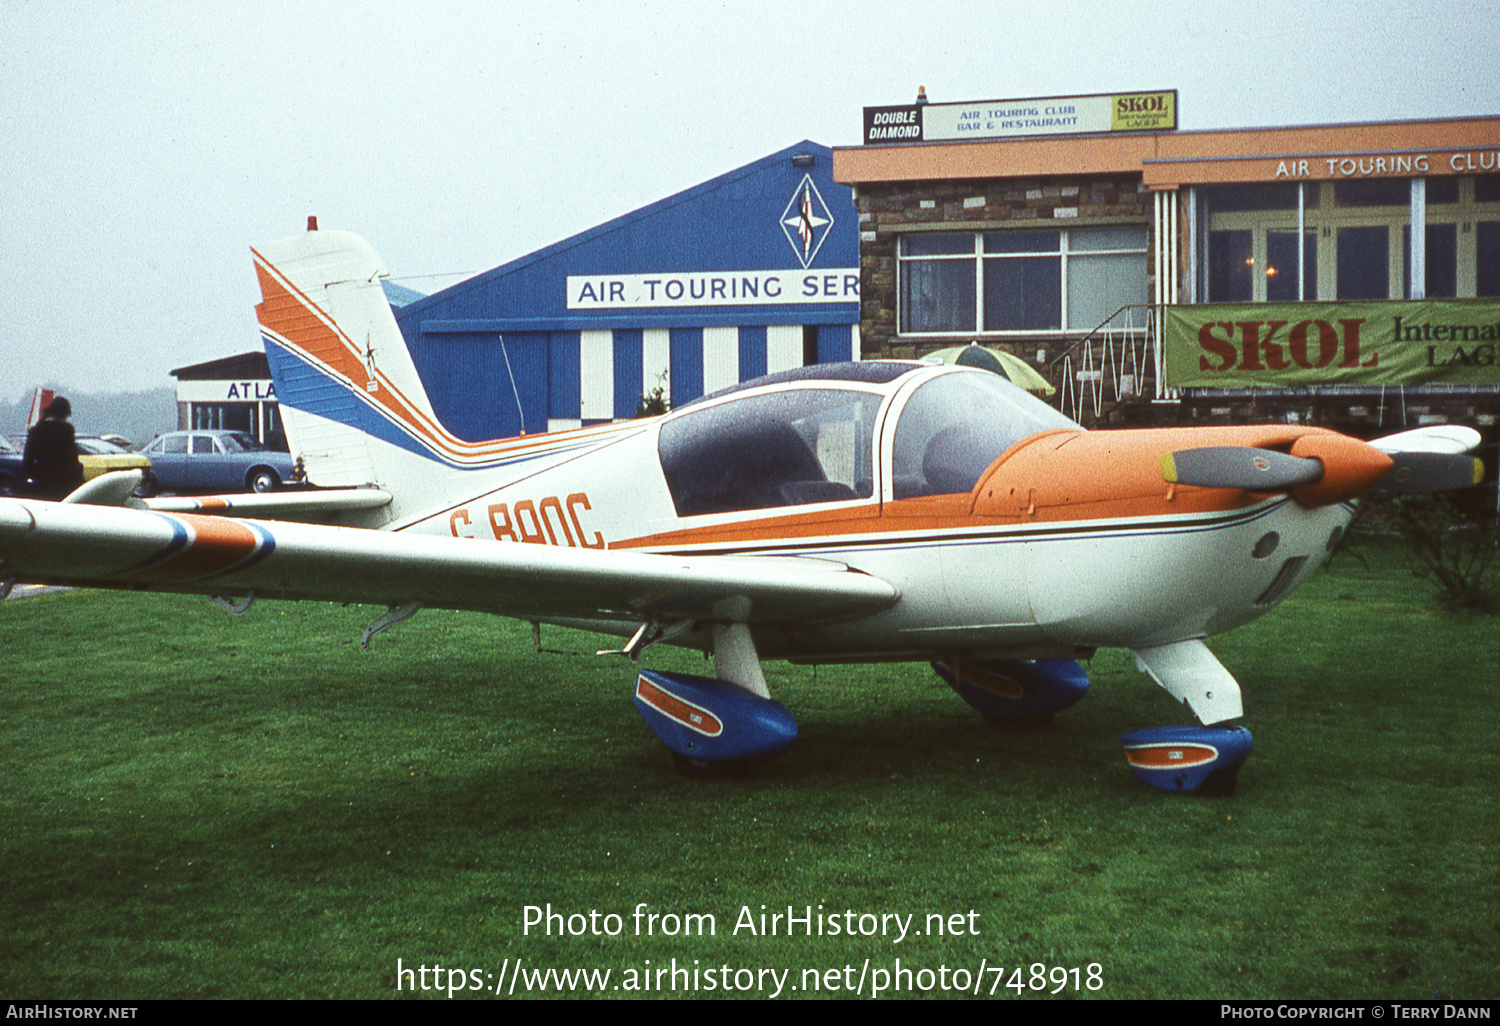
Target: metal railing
[1120,359]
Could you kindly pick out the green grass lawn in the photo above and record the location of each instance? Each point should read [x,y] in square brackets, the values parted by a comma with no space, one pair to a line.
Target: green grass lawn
[201,806]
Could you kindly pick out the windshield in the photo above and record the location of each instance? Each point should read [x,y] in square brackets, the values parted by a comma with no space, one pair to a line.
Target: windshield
[956,425]
[239,441]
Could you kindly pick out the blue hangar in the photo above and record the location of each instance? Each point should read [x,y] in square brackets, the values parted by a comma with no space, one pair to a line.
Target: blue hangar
[753,272]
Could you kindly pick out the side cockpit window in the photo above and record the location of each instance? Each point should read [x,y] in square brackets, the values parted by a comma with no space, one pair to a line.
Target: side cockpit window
[956,425]
[790,448]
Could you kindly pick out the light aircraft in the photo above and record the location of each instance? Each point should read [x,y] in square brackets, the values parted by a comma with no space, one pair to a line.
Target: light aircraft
[876,511]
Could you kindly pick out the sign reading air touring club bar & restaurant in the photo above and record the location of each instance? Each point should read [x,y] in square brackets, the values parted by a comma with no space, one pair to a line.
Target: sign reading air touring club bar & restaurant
[1391,342]
[1006,119]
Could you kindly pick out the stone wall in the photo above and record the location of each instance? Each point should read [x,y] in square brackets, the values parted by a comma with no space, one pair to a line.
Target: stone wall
[887,209]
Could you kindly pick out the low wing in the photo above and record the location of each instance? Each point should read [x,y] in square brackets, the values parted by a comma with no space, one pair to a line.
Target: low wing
[110,547]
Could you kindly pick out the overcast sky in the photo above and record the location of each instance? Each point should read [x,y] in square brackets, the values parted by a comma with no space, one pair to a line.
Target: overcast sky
[147,145]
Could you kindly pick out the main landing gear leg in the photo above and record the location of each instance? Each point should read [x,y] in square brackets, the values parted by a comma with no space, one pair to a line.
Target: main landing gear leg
[1204,759]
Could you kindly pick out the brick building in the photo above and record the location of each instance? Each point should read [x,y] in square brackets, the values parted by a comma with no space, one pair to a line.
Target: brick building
[1068,229]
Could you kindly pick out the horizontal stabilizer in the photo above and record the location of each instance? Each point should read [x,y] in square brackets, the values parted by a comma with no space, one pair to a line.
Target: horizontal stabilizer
[291,505]
[111,489]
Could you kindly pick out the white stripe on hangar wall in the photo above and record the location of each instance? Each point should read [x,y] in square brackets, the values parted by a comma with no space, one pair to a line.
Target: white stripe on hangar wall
[783,347]
[721,365]
[721,358]
[596,368]
[656,361]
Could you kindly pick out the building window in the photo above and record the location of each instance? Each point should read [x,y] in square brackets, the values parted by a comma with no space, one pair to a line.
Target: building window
[223,416]
[1231,266]
[1019,281]
[1363,262]
[1252,245]
[1356,243]
[1487,256]
[1441,275]
[937,283]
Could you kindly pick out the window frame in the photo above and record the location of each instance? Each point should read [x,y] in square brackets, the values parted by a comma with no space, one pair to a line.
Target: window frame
[978,257]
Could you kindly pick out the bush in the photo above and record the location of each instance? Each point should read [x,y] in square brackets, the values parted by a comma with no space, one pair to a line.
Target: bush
[1455,542]
[653,403]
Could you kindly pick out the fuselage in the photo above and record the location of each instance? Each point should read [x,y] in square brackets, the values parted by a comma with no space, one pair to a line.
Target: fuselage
[1007,529]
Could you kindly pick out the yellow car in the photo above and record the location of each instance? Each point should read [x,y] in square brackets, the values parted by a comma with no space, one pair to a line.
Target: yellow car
[100,456]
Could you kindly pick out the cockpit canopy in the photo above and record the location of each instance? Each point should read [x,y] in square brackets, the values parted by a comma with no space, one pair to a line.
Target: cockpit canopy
[789,448]
[955,425]
[807,444]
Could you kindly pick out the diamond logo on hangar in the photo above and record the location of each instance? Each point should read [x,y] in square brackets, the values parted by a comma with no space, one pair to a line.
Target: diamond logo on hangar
[806,221]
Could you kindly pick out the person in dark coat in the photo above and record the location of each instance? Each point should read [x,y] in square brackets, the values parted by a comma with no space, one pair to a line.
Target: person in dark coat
[51,459]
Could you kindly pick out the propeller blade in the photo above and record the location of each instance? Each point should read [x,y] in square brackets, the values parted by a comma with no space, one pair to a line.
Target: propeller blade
[1239,466]
[1431,472]
[1451,438]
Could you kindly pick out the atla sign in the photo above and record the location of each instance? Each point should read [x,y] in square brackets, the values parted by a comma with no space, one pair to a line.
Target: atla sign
[806,223]
[1377,343]
[221,391]
[1002,119]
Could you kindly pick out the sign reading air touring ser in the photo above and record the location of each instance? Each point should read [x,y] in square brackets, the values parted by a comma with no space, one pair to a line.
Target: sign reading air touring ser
[805,223]
[1005,119]
[1390,342]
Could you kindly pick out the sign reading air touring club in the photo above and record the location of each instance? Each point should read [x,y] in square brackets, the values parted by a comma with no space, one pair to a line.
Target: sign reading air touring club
[805,223]
[1005,119]
[1391,342]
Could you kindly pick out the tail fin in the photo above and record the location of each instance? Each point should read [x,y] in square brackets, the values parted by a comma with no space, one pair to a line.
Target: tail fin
[342,372]
[41,398]
[353,404]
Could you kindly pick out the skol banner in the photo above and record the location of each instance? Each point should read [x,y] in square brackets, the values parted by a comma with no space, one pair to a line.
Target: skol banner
[1275,345]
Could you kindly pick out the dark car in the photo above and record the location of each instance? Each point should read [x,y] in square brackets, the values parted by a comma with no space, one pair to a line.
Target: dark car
[12,480]
[216,461]
[97,455]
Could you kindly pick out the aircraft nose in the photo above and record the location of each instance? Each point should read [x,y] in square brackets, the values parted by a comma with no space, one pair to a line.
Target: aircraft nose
[1136,472]
[1316,470]
[1350,468]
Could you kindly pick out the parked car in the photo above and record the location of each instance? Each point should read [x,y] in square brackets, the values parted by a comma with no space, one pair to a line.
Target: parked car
[101,455]
[98,456]
[216,461]
[11,479]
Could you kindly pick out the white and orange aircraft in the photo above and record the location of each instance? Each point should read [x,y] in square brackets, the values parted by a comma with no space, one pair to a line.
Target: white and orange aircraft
[877,511]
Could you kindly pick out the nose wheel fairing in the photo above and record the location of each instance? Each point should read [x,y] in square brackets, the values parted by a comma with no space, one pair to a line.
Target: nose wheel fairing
[1189,758]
